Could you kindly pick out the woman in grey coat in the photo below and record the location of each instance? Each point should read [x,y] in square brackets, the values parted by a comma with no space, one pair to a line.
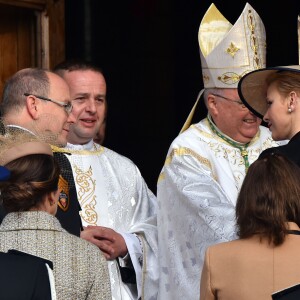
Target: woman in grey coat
[30,195]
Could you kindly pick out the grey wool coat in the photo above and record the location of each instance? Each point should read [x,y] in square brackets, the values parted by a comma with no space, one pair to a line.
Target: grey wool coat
[79,268]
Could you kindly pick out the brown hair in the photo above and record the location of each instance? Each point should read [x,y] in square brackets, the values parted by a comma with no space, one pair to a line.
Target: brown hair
[32,177]
[286,82]
[269,197]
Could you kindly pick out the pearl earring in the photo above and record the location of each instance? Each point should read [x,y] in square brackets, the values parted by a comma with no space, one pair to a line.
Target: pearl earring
[289,110]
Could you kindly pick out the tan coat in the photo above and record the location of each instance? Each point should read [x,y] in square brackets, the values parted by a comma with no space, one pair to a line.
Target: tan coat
[247,269]
[80,269]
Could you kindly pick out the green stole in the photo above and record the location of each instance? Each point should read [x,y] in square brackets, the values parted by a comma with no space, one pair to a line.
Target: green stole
[241,147]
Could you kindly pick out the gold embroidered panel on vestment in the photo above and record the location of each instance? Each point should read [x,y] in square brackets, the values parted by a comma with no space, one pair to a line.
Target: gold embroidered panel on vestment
[187,151]
[86,194]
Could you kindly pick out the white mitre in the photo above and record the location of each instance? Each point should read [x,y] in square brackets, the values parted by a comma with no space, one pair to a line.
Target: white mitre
[228,52]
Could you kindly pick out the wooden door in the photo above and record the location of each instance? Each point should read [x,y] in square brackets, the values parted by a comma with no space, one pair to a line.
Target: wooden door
[32,34]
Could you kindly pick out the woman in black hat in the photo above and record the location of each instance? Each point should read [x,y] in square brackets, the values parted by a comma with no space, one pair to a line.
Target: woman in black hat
[273,94]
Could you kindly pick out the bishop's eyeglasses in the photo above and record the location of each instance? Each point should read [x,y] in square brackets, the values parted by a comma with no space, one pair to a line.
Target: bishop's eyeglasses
[239,102]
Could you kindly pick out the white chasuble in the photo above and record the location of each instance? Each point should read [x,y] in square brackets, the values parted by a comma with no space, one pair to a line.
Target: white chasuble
[112,193]
[197,191]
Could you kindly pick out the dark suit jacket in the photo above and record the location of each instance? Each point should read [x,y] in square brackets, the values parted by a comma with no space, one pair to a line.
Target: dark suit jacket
[290,150]
[69,218]
[24,276]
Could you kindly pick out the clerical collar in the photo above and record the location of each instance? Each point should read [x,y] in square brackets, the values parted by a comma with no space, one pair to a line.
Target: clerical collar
[88,146]
[227,139]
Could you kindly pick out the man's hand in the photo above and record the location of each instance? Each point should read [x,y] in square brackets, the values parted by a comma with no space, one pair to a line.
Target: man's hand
[111,243]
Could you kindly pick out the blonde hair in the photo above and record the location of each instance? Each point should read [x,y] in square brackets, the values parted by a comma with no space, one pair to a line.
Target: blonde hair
[285,82]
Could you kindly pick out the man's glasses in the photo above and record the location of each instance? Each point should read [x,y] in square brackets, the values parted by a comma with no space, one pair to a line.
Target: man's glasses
[240,103]
[67,106]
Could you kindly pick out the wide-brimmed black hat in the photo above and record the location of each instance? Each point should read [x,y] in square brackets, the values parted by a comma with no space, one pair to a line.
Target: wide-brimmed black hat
[252,88]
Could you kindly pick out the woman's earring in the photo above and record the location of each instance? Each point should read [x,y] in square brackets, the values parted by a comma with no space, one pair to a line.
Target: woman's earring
[289,110]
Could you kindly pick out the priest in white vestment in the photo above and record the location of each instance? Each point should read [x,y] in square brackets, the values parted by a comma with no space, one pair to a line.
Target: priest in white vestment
[118,209]
[206,164]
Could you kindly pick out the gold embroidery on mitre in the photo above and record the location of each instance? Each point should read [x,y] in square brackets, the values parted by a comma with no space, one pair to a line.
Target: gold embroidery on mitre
[64,195]
[232,49]
[205,78]
[232,78]
[229,78]
[253,40]
[86,194]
